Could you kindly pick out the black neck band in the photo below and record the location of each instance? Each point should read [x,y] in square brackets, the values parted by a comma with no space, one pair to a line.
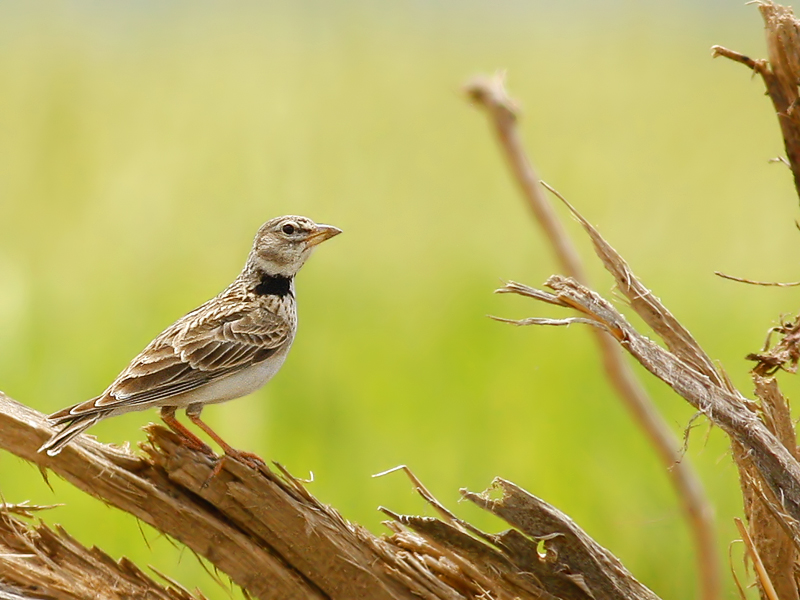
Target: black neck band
[274,285]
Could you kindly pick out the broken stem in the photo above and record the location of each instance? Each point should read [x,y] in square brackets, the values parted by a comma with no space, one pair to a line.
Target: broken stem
[763,578]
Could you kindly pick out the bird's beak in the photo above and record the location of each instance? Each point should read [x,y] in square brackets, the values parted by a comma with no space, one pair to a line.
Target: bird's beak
[322,233]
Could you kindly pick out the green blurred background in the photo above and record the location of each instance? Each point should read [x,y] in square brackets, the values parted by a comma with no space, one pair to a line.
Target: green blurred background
[142,144]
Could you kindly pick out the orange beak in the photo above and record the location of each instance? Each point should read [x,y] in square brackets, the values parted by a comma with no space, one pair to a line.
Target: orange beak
[322,233]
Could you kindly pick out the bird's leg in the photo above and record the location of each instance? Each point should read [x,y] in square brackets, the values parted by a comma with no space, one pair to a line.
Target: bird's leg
[254,460]
[191,440]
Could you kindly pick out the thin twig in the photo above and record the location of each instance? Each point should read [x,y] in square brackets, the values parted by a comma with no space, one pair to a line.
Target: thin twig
[739,587]
[445,512]
[780,159]
[763,578]
[490,94]
[757,65]
[552,322]
[753,282]
[423,491]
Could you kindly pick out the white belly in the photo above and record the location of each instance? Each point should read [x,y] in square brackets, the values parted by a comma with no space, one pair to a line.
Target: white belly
[233,386]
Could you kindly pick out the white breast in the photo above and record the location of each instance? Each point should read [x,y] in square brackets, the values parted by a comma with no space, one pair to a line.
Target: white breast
[235,385]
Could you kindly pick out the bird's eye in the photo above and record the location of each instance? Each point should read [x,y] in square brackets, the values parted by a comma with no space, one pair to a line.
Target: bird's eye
[288,229]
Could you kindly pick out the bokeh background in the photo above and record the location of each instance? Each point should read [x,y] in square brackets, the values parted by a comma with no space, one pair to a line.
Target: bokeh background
[143,143]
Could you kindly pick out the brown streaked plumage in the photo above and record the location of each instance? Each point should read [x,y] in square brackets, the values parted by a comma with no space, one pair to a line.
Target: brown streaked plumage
[227,348]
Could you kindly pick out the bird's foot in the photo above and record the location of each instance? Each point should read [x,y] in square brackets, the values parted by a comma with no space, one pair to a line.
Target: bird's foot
[199,445]
[188,439]
[254,461]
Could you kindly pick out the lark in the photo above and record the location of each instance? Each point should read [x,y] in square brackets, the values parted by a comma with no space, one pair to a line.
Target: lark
[227,348]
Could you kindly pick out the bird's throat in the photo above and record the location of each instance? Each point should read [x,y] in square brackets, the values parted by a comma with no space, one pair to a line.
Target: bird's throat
[274,285]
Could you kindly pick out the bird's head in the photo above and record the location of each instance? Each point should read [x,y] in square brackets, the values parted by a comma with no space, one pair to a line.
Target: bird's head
[283,244]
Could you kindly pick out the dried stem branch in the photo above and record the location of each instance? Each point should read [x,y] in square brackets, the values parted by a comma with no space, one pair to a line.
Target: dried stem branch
[780,74]
[773,534]
[761,283]
[490,94]
[763,578]
[685,368]
[726,409]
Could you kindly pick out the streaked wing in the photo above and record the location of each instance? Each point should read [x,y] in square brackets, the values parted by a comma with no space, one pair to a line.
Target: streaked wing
[202,347]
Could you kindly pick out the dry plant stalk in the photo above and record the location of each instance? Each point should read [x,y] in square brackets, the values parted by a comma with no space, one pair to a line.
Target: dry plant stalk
[275,540]
[772,541]
[490,95]
[767,589]
[762,435]
[774,531]
[780,73]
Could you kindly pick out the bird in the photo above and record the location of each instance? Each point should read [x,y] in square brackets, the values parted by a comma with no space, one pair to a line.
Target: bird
[225,349]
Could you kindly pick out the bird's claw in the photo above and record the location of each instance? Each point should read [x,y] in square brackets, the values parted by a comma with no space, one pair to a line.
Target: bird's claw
[254,461]
[199,446]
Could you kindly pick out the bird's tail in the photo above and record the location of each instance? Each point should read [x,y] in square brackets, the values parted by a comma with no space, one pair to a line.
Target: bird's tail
[73,425]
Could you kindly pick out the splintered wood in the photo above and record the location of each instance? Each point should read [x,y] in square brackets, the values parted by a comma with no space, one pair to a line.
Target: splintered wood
[49,563]
[275,540]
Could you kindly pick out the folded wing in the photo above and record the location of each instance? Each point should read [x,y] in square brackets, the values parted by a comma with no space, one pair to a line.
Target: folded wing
[193,352]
